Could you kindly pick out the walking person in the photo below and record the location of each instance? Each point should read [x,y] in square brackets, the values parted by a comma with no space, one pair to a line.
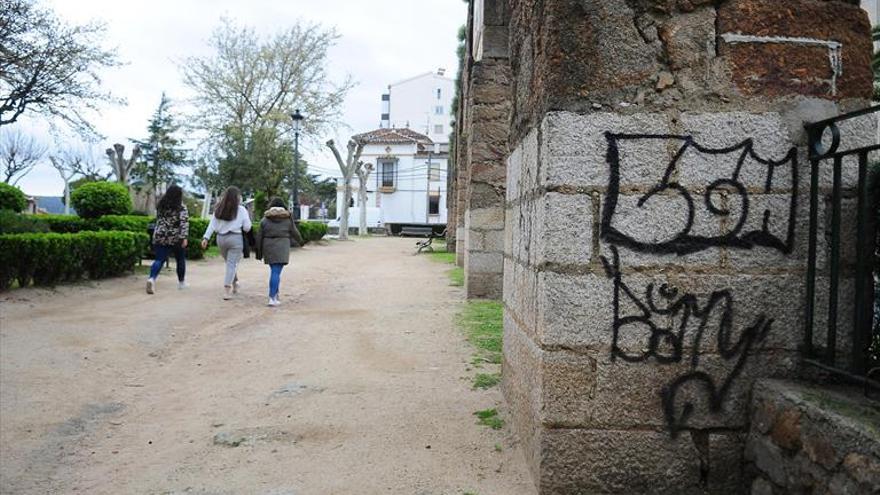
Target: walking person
[277,234]
[170,236]
[229,222]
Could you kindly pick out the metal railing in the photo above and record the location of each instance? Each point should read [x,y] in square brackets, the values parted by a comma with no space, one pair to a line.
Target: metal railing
[821,153]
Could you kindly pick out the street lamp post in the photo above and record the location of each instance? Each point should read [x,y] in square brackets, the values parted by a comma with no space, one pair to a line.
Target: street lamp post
[294,196]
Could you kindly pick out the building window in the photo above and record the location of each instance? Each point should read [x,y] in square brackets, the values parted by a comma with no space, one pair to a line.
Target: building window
[438,129]
[386,97]
[386,116]
[389,170]
[438,110]
[439,92]
[434,202]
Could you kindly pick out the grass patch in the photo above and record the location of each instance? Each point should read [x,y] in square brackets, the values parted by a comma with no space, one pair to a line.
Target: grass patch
[489,417]
[487,380]
[456,277]
[212,252]
[440,255]
[142,269]
[482,322]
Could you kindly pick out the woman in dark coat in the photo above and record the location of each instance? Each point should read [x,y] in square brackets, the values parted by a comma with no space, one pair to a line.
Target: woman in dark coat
[277,234]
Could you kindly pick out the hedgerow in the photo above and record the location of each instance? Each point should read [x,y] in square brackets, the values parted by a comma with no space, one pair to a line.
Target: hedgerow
[49,258]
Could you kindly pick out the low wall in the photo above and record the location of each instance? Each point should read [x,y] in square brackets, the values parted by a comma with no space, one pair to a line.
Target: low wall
[810,439]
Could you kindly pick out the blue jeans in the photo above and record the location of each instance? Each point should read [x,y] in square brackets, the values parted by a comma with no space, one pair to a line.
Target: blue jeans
[274,278]
[162,253]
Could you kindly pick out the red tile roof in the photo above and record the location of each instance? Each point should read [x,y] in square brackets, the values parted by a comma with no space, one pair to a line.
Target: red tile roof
[392,136]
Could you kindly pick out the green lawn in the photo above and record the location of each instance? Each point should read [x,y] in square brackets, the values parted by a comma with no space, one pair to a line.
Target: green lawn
[440,255]
[483,325]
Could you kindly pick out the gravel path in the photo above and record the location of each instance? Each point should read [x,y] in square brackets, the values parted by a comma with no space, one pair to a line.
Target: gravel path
[359,384]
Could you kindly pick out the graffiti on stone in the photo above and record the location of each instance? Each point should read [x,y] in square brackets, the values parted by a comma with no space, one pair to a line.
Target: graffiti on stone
[653,321]
[706,200]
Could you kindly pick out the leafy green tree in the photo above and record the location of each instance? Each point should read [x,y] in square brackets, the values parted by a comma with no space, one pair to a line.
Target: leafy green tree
[161,151]
[256,161]
[875,62]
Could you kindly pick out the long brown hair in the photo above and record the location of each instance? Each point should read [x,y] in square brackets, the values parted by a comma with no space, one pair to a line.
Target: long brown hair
[227,207]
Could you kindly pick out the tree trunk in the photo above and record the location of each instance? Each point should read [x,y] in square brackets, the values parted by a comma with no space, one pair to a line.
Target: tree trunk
[343,218]
[206,206]
[67,196]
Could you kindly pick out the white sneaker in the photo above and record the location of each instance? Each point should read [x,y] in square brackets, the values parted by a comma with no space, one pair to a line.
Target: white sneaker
[235,287]
[151,285]
[182,285]
[227,294]
[273,302]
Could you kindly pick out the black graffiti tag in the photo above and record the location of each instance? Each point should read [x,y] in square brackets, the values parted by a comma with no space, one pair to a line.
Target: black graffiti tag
[706,317]
[685,241]
[666,344]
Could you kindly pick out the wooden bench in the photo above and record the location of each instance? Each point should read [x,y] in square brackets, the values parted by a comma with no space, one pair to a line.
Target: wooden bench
[416,231]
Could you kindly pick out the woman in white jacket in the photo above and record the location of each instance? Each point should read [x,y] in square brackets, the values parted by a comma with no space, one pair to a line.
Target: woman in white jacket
[230,221]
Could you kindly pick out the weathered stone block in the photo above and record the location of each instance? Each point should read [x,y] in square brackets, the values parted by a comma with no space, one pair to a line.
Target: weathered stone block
[575,149]
[564,232]
[613,461]
[775,65]
[689,39]
[485,285]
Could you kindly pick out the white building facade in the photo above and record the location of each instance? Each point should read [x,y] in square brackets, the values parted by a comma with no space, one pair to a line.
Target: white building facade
[421,103]
[407,185]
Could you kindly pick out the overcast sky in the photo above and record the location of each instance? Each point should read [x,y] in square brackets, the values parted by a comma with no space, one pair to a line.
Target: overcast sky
[382,41]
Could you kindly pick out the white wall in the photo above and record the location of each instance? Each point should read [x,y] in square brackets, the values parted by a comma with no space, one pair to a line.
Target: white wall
[409,201]
[871,6]
[414,103]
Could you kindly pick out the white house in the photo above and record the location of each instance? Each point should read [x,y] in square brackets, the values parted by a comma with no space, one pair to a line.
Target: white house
[408,183]
[421,103]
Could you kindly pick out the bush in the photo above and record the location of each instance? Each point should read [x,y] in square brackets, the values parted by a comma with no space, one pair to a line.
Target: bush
[66,224]
[95,199]
[46,259]
[312,231]
[11,198]
[16,223]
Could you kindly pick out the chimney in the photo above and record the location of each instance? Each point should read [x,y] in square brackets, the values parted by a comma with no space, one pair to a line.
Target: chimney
[441,71]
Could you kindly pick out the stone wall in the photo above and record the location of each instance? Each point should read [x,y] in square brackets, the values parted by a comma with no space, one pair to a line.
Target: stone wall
[655,237]
[486,127]
[808,439]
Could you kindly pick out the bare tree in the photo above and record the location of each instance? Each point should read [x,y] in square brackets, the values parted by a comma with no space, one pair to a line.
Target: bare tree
[121,167]
[18,155]
[363,173]
[66,161]
[49,67]
[250,81]
[348,168]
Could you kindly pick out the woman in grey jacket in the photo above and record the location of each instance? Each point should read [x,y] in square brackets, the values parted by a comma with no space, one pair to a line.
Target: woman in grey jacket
[277,234]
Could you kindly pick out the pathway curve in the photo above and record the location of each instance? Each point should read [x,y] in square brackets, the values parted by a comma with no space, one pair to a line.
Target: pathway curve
[358,384]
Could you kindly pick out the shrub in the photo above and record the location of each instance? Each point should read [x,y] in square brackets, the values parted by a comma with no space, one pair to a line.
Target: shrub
[312,231]
[46,259]
[11,198]
[16,223]
[95,199]
[66,224]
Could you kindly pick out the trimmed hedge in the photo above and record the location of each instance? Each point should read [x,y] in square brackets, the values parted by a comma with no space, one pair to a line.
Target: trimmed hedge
[46,259]
[94,199]
[16,223]
[11,198]
[126,223]
[312,231]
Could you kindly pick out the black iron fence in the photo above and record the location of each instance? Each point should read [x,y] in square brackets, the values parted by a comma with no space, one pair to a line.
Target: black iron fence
[826,150]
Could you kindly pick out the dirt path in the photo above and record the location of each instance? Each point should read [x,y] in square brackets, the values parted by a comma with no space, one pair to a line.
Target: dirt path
[359,383]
